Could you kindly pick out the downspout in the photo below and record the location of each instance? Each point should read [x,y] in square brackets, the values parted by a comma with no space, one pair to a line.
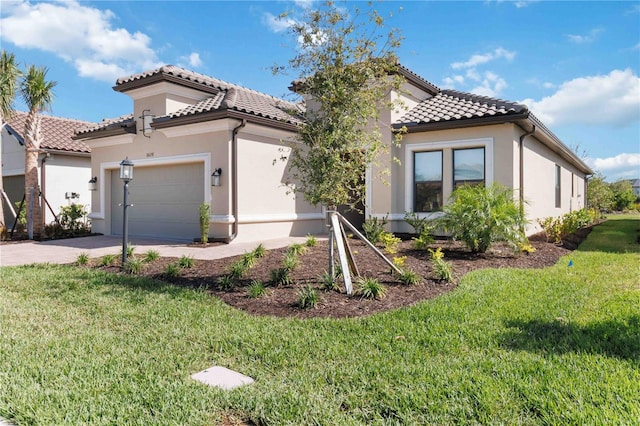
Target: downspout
[521,171]
[234,184]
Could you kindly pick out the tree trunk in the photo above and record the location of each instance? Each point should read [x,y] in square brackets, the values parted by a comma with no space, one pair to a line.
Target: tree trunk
[32,148]
[2,223]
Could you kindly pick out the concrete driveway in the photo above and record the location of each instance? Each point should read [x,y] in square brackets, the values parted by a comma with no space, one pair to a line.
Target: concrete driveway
[67,250]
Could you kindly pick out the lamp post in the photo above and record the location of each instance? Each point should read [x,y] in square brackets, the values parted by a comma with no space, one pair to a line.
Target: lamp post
[126,174]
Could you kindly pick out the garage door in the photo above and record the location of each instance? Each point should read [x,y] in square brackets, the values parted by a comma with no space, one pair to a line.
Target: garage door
[166,201]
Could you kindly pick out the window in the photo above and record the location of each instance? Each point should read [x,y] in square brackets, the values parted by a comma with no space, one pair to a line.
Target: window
[468,167]
[558,192]
[427,178]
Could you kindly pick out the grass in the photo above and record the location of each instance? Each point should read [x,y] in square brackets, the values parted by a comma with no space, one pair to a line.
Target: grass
[553,346]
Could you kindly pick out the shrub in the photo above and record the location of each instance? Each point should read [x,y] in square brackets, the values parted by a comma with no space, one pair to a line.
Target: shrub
[226,282]
[479,216]
[130,250]
[558,228]
[424,240]
[238,269]
[151,255]
[311,241]
[409,277]
[399,261]
[296,249]
[389,241]
[370,288]
[259,251]
[373,228]
[419,224]
[108,259]
[133,265]
[82,259]
[290,261]
[307,297]
[281,276]
[172,270]
[185,261]
[527,248]
[256,289]
[205,212]
[328,282]
[249,260]
[441,268]
[72,218]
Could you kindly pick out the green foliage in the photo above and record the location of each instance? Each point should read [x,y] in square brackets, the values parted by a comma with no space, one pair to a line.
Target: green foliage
[329,282]
[370,288]
[249,260]
[424,239]
[108,259]
[290,261]
[311,241]
[238,269]
[82,259]
[281,276]
[150,255]
[226,282]
[419,224]
[409,277]
[259,251]
[172,270]
[373,228]
[73,219]
[256,289]
[130,250]
[185,261]
[345,61]
[296,249]
[599,194]
[307,297]
[133,265]
[479,216]
[558,228]
[205,213]
[441,268]
[623,195]
[399,261]
[22,214]
[389,242]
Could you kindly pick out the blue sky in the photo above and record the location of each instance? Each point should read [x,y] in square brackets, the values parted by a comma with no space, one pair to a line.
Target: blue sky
[575,64]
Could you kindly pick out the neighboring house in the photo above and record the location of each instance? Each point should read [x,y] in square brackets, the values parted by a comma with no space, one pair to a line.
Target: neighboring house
[186,126]
[635,184]
[64,166]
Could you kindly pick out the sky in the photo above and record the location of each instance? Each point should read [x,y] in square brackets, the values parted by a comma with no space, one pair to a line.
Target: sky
[575,64]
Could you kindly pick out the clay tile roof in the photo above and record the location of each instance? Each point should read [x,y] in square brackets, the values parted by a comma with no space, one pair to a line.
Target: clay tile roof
[451,105]
[56,132]
[106,123]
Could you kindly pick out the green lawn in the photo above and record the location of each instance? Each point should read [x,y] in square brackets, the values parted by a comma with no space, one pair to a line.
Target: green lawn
[553,346]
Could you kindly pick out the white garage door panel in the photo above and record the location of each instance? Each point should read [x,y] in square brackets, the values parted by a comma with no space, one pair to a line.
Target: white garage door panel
[166,201]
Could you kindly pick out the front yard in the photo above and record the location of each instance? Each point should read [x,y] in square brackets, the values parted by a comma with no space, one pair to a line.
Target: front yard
[559,345]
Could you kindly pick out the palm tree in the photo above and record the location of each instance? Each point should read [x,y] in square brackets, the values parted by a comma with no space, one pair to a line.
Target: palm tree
[37,93]
[9,74]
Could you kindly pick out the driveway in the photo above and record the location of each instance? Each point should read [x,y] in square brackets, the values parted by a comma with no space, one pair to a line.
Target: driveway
[67,250]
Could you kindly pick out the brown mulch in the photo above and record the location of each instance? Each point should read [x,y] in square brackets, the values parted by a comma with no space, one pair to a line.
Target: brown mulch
[282,301]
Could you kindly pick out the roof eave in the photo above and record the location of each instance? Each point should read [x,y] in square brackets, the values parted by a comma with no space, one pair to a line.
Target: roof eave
[160,77]
[166,122]
[107,132]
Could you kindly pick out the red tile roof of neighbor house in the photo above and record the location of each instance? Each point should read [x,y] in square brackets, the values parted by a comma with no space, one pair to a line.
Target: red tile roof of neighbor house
[57,132]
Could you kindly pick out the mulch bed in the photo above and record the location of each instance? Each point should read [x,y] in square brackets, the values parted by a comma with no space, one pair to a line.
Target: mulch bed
[282,301]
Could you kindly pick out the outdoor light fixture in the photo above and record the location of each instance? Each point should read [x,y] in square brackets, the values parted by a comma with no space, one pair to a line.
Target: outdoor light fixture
[126,174]
[93,183]
[147,118]
[215,177]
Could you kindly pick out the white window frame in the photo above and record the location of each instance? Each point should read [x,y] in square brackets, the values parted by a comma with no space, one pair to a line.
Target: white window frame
[410,149]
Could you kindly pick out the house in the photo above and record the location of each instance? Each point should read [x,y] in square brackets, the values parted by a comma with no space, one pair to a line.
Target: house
[64,166]
[195,139]
[635,184]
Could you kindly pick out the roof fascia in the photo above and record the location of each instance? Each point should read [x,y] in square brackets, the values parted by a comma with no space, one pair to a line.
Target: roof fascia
[160,77]
[417,81]
[218,115]
[458,124]
[69,153]
[107,132]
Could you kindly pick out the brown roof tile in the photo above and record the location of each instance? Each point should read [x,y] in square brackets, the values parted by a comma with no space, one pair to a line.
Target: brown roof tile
[57,132]
[106,123]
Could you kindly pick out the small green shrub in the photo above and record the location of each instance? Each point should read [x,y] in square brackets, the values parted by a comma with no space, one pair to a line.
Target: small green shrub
[558,228]
[481,215]
[373,228]
[82,259]
[307,297]
[256,289]
[226,282]
[409,277]
[441,268]
[130,250]
[290,261]
[389,242]
[281,276]
[73,219]
[185,262]
[151,255]
[133,265]
[419,224]
[205,220]
[172,270]
[296,249]
[424,240]
[249,260]
[108,259]
[311,241]
[399,261]
[259,251]
[238,269]
[370,288]
[329,283]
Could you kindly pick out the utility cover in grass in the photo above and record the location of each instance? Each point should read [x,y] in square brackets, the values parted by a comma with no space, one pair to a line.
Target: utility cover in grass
[222,377]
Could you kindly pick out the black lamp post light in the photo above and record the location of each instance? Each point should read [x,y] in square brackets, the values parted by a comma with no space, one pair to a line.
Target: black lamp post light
[126,174]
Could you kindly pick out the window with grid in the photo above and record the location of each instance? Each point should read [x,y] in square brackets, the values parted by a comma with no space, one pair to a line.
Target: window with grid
[468,167]
[427,178]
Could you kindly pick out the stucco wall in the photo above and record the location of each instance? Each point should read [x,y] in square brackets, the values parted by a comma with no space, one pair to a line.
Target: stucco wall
[66,174]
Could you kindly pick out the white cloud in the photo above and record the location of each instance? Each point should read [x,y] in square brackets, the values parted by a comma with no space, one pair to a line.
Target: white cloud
[612,99]
[190,61]
[491,85]
[590,37]
[276,23]
[79,34]
[622,166]
[548,85]
[478,59]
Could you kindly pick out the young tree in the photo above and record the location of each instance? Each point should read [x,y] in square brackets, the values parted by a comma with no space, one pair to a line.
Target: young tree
[37,93]
[599,194]
[9,74]
[345,68]
[623,195]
